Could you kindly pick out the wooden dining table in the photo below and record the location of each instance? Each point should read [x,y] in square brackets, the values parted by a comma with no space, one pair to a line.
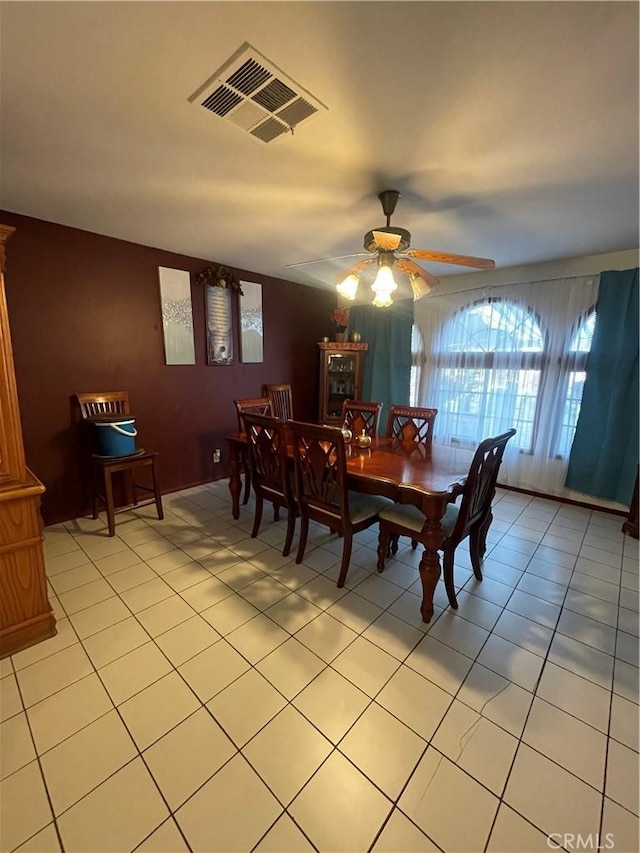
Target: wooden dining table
[435,476]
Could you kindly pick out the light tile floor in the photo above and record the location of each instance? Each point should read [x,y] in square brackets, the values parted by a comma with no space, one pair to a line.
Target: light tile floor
[205,693]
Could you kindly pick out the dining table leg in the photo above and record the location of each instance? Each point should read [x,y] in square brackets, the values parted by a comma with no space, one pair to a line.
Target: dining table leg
[432,538]
[429,575]
[235,482]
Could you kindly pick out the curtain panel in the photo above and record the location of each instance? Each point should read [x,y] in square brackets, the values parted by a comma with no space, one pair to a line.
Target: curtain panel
[508,356]
[604,456]
[387,363]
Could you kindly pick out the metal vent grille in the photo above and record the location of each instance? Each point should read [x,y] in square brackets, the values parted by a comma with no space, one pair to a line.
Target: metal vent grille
[247,115]
[221,101]
[253,94]
[249,76]
[274,96]
[296,112]
[269,129]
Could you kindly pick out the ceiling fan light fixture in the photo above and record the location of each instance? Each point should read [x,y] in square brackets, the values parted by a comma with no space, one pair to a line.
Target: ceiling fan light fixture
[389,248]
[383,287]
[348,287]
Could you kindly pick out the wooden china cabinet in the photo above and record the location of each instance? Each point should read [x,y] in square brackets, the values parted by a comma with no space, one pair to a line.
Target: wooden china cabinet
[26,616]
[341,368]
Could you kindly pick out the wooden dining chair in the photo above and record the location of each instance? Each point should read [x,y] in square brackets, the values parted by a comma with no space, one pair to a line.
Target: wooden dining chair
[270,471]
[472,518]
[320,465]
[107,403]
[281,400]
[255,406]
[358,416]
[411,423]
[104,468]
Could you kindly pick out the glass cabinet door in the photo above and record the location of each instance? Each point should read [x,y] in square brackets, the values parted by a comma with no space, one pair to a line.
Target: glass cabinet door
[340,378]
[341,381]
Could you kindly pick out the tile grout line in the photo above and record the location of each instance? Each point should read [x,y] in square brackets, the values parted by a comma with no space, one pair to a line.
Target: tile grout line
[324,610]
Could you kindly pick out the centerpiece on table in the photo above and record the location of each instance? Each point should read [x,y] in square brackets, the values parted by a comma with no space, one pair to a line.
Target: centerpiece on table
[340,320]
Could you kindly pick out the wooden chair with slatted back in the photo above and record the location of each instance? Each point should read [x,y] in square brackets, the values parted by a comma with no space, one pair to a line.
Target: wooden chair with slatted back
[254,406]
[270,471]
[411,423]
[108,403]
[472,518]
[320,465]
[281,400]
[104,468]
[359,416]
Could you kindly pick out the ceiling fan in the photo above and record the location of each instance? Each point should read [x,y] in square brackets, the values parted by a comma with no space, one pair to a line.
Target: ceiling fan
[389,249]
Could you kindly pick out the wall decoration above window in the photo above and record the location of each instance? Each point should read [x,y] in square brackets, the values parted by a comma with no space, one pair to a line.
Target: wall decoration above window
[251,329]
[177,316]
[219,283]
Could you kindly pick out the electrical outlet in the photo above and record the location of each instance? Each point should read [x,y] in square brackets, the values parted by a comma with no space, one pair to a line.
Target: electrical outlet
[216,455]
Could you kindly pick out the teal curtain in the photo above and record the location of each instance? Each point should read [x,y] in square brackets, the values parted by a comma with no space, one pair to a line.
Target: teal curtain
[387,363]
[604,455]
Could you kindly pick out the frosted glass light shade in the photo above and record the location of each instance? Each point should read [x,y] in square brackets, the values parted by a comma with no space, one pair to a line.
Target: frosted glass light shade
[383,287]
[348,287]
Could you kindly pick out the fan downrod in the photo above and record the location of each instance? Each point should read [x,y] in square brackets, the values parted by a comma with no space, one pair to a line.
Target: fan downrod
[388,200]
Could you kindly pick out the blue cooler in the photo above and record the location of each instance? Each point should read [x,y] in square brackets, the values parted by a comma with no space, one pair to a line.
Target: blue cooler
[115,435]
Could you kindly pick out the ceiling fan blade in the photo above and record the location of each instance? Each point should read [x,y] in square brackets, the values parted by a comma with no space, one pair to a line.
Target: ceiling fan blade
[449,258]
[355,269]
[386,242]
[422,282]
[335,258]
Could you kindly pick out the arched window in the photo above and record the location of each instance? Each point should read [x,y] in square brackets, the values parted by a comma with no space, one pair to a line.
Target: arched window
[488,359]
[511,355]
[578,350]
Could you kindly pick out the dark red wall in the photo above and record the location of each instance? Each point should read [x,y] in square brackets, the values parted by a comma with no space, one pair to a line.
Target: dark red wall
[85,315]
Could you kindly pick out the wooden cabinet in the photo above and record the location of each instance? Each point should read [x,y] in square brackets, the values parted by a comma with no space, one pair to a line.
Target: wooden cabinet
[26,616]
[341,367]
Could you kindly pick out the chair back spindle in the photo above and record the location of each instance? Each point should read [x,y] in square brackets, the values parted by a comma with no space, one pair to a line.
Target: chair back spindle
[411,423]
[254,406]
[358,416]
[320,464]
[480,488]
[281,398]
[107,403]
[321,471]
[270,470]
[267,444]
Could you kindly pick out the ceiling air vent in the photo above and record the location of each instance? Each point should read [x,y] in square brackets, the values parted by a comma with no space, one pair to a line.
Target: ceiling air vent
[256,96]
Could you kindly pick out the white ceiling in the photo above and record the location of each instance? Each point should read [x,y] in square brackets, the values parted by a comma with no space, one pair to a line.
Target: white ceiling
[511,129]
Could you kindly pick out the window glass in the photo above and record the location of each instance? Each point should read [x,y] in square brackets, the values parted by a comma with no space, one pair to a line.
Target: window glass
[583,337]
[499,355]
[483,402]
[580,344]
[492,327]
[488,397]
